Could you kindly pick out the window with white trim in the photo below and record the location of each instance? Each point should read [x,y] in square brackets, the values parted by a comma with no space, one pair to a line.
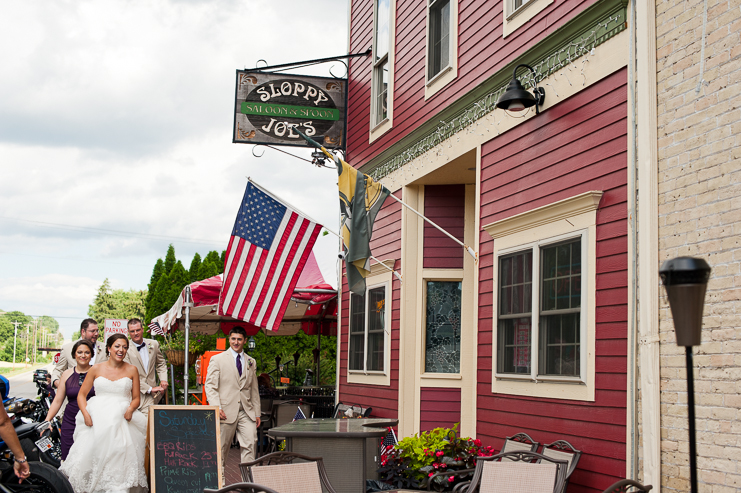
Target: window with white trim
[518,12]
[381,63]
[539,314]
[545,264]
[438,55]
[367,330]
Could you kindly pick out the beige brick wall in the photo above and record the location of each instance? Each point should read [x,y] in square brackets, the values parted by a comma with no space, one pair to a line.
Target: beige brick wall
[699,179]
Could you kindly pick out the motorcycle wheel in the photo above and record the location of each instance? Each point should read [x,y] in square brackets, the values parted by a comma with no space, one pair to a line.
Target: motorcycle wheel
[30,449]
[43,479]
[53,456]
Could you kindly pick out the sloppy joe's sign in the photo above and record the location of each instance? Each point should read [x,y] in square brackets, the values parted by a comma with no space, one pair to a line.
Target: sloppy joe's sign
[270,106]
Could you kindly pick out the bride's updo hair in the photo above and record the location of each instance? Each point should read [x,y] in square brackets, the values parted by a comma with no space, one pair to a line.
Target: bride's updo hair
[111,340]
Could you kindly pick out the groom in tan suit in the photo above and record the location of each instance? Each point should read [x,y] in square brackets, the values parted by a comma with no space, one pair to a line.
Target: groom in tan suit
[231,384]
[146,356]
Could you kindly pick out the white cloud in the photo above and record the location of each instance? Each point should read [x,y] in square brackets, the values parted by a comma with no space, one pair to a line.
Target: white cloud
[116,115]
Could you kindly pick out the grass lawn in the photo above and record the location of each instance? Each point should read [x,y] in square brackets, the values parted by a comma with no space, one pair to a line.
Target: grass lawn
[8,372]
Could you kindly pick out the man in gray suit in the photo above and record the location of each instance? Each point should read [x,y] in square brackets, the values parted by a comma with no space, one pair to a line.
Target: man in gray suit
[88,331]
[146,356]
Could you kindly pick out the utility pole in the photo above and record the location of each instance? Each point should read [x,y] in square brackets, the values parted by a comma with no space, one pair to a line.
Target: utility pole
[15,339]
[28,328]
[35,343]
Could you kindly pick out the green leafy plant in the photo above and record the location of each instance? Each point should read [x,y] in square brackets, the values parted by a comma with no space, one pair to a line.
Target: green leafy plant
[415,460]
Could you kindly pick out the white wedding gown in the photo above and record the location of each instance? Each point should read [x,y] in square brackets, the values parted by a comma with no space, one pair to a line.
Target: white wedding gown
[109,456]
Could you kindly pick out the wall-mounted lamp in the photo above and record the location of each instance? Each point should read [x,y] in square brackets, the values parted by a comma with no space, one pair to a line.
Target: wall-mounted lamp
[516,98]
[686,280]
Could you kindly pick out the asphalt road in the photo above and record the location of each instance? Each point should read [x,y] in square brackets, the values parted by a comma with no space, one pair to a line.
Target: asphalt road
[22,385]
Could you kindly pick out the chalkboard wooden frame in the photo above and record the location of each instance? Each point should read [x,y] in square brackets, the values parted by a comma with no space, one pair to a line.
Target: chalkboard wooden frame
[153,413]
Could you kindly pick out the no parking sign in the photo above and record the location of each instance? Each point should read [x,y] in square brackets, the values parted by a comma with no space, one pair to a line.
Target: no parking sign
[114,326]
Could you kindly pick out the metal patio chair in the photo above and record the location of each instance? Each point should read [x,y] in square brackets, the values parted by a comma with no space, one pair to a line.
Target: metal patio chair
[288,472]
[628,486]
[563,450]
[516,472]
[340,409]
[519,442]
[242,488]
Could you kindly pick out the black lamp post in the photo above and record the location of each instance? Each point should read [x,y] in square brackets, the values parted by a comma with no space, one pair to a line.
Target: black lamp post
[516,98]
[686,280]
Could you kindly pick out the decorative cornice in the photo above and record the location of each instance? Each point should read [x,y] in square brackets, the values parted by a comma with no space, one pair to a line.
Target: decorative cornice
[563,209]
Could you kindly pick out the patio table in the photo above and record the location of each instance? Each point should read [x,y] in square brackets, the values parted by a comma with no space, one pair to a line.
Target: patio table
[349,447]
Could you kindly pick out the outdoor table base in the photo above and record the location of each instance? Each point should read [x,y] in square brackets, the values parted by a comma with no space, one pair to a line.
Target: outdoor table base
[349,447]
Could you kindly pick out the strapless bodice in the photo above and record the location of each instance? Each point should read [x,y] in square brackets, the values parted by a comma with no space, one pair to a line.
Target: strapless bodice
[113,388]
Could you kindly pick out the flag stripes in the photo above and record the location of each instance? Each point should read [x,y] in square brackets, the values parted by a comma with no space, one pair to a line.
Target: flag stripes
[267,251]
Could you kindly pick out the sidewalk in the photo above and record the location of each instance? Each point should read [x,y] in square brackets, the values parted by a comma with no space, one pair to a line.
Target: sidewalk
[231,469]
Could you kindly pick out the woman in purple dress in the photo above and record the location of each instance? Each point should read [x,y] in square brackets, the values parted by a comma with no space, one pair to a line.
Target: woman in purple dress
[69,386]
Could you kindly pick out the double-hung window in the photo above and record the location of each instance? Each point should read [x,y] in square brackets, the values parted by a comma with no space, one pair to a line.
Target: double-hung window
[442,44]
[369,342]
[381,63]
[439,42]
[540,300]
[545,300]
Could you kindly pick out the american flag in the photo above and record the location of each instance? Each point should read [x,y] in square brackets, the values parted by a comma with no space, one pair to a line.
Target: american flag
[388,443]
[299,415]
[155,328]
[268,249]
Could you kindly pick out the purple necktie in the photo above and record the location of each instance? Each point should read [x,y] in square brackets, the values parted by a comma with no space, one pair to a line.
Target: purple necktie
[239,364]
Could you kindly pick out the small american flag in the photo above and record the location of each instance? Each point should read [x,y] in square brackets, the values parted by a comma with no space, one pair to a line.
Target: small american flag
[299,415]
[268,249]
[155,328]
[388,443]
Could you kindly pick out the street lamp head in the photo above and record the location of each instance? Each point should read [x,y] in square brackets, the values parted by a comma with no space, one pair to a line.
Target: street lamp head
[251,343]
[686,280]
[517,98]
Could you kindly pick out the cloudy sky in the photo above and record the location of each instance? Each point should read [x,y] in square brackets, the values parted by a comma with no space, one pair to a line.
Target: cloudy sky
[115,138]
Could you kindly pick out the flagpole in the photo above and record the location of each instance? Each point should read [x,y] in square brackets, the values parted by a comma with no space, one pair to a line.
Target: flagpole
[466,247]
[334,158]
[398,276]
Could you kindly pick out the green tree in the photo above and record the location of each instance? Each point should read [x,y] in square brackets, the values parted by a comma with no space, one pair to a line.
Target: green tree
[179,278]
[170,259]
[116,303]
[195,265]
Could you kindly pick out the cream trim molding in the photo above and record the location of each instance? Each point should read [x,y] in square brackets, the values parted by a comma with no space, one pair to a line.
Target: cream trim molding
[563,209]
[514,20]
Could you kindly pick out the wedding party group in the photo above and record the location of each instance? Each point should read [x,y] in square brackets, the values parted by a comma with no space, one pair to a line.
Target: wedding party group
[109,390]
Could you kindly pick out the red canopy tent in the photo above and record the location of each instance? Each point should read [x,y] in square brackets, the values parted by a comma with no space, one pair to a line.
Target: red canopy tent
[314,307]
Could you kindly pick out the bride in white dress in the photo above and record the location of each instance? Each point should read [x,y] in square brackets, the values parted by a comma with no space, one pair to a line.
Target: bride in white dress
[108,450]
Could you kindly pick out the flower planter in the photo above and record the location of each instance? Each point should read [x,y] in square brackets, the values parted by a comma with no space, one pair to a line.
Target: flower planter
[176,357]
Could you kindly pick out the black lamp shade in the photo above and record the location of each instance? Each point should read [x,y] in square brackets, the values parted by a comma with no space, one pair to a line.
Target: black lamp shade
[251,343]
[686,280]
[515,93]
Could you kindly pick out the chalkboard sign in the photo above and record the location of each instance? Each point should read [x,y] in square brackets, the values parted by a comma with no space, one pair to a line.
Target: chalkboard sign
[185,449]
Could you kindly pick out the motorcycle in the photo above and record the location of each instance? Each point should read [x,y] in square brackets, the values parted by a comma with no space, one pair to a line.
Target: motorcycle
[43,478]
[40,441]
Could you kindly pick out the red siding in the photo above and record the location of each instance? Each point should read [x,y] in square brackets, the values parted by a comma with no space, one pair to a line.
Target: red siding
[481,53]
[439,408]
[385,244]
[445,205]
[576,146]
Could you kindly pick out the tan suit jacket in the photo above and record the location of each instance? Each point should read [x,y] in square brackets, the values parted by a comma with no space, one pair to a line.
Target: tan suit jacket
[157,367]
[67,361]
[226,389]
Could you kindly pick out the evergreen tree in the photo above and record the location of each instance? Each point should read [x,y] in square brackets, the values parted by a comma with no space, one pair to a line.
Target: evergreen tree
[159,269]
[208,269]
[178,280]
[159,305]
[222,261]
[195,265]
[170,259]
